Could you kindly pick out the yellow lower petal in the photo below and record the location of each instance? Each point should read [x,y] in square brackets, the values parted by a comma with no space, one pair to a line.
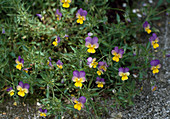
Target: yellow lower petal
[66,5]
[78,84]
[77,106]
[115,59]
[91,50]
[124,78]
[55,43]
[21,93]
[155,71]
[156,45]
[100,85]
[19,66]
[99,73]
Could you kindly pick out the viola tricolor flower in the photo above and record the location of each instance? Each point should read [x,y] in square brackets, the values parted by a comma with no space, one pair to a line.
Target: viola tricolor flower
[20,63]
[154,88]
[59,64]
[43,112]
[10,91]
[154,41]
[40,16]
[146,26]
[57,40]
[92,62]
[100,82]
[66,36]
[79,103]
[124,73]
[49,62]
[66,3]
[81,15]
[58,14]
[23,88]
[155,65]
[117,54]
[91,44]
[102,67]
[79,78]
[26,70]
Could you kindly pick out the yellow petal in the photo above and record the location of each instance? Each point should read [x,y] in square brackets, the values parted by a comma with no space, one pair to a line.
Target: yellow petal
[78,84]
[91,50]
[21,93]
[55,43]
[124,77]
[66,5]
[19,66]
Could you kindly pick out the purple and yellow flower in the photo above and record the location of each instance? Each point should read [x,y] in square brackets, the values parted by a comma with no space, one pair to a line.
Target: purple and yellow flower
[66,36]
[81,15]
[154,88]
[146,26]
[154,41]
[59,64]
[102,67]
[49,62]
[92,62]
[43,112]
[79,103]
[57,40]
[20,63]
[155,65]
[40,16]
[23,88]
[66,3]
[91,44]
[10,91]
[79,78]
[58,14]
[117,54]
[26,70]
[124,73]
[100,82]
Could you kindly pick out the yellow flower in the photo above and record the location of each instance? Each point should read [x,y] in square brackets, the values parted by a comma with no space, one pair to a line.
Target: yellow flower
[66,3]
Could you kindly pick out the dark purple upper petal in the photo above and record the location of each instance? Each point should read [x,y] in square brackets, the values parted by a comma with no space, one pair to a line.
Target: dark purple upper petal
[40,110]
[82,99]
[97,79]
[145,24]
[121,69]
[19,58]
[155,62]
[102,80]
[10,88]
[81,74]
[26,85]
[81,12]
[94,40]
[45,110]
[116,49]
[126,70]
[58,13]
[88,39]
[154,36]
[121,51]
[21,84]
[76,73]
[151,38]
[50,58]
[101,63]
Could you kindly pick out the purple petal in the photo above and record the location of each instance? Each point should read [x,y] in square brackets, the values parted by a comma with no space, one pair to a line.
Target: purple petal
[90,59]
[94,40]
[82,74]
[151,38]
[45,110]
[59,62]
[97,79]
[10,88]
[102,80]
[76,73]
[168,55]
[21,84]
[145,24]
[88,39]
[39,15]
[155,62]
[58,39]
[57,11]
[82,99]
[26,85]
[116,49]
[121,51]
[50,58]
[19,58]
[126,70]
[101,63]
[96,45]
[121,69]
[40,110]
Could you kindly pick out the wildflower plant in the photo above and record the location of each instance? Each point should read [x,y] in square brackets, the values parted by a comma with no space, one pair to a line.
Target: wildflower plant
[58,60]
